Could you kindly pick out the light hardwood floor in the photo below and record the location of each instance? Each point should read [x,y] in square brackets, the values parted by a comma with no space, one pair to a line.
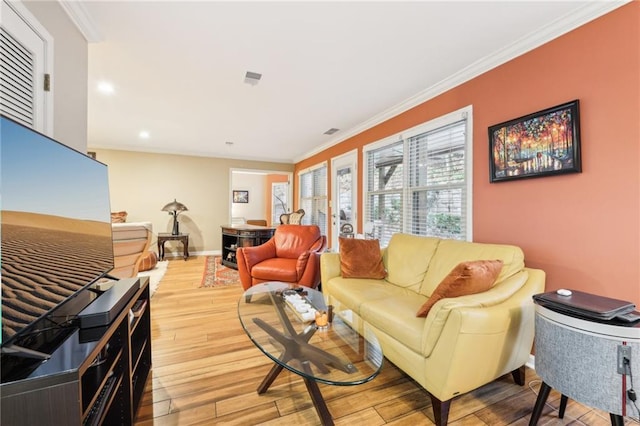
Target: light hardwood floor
[206,371]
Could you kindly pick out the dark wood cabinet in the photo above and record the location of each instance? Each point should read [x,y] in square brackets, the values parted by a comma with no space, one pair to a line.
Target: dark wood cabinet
[96,376]
[234,236]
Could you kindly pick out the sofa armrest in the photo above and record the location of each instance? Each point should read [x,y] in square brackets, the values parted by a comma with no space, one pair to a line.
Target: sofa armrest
[497,299]
[308,269]
[256,254]
[329,266]
[478,344]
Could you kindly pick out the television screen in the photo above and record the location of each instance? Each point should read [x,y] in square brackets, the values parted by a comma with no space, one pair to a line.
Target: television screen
[55,230]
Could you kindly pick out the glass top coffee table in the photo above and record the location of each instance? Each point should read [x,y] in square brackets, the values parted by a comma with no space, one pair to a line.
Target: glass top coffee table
[279,320]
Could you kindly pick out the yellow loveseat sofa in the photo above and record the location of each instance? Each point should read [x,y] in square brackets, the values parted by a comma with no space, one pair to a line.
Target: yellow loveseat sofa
[464,342]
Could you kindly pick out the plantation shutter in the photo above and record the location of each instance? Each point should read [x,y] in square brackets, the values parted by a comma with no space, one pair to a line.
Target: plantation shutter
[384,194]
[438,182]
[26,56]
[17,80]
[313,197]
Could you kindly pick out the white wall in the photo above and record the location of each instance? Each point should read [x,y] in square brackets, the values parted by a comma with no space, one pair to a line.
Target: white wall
[70,73]
[255,184]
[142,183]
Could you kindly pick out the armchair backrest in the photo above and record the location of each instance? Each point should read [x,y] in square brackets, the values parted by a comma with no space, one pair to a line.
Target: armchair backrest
[294,218]
[293,240]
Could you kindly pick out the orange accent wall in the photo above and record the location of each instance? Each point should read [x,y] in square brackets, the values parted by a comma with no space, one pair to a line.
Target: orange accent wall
[583,229]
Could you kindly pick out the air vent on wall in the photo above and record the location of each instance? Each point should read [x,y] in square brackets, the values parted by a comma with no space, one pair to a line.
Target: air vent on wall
[331,131]
[252,78]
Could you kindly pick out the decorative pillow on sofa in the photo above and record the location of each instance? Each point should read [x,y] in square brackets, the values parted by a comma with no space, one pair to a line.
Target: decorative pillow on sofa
[361,259]
[118,217]
[466,278]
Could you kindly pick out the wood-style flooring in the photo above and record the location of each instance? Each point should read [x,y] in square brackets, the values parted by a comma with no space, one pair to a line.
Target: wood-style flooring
[206,371]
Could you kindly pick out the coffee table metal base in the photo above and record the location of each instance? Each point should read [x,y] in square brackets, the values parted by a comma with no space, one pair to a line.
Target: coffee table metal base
[340,356]
[296,346]
[312,388]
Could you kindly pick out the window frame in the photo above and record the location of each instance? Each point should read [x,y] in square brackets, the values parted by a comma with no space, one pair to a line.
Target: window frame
[307,219]
[466,114]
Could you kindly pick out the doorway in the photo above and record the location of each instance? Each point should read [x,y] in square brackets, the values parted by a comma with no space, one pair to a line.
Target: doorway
[344,187]
[265,194]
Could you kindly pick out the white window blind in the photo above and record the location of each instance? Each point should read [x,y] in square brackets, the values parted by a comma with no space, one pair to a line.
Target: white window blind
[437,182]
[313,197]
[420,184]
[384,199]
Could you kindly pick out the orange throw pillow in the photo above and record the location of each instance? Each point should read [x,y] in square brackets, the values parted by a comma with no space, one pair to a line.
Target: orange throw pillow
[466,278]
[361,259]
[149,261]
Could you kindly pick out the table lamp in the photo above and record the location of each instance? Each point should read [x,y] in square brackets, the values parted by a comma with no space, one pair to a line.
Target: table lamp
[175,208]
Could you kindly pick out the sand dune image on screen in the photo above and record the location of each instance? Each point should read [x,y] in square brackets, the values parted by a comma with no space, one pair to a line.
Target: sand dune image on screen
[46,259]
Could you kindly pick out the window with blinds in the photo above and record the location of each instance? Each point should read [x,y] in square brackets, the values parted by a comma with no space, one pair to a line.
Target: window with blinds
[437,182]
[385,192]
[421,183]
[313,197]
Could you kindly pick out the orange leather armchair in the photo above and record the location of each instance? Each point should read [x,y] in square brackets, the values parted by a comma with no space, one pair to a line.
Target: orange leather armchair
[292,255]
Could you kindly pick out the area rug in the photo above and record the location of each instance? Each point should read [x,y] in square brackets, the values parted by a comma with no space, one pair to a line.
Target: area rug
[155,275]
[216,274]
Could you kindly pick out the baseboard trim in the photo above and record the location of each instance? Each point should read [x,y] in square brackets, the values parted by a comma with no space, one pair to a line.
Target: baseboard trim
[178,254]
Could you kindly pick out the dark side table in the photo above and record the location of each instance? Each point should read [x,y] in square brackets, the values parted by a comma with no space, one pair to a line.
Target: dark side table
[163,237]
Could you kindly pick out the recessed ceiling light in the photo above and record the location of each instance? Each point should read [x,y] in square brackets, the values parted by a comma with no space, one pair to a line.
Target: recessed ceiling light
[252,78]
[144,135]
[331,131]
[105,87]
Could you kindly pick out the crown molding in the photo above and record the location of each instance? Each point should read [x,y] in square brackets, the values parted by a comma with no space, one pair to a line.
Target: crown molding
[592,10]
[83,21]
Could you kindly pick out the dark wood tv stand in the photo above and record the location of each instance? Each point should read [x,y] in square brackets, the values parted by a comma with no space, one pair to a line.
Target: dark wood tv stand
[96,376]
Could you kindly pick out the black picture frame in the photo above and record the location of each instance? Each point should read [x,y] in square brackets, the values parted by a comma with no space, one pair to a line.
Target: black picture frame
[544,143]
[240,196]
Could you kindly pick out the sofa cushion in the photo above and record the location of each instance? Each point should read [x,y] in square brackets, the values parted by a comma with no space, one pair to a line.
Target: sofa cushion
[361,259]
[407,259]
[276,269]
[353,293]
[466,278]
[395,316]
[293,240]
[452,252]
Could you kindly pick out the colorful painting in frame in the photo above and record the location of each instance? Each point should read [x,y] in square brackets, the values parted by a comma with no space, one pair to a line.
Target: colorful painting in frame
[540,144]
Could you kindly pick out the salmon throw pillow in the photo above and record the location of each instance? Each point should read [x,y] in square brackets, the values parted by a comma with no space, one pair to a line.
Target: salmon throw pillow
[361,259]
[466,278]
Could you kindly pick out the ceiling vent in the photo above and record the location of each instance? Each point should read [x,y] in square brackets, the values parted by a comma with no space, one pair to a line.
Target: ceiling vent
[331,131]
[252,78]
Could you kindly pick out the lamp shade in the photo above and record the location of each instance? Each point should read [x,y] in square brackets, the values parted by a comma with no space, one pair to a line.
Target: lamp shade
[174,207]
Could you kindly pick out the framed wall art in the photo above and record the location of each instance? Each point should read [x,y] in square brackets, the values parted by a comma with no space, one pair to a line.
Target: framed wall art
[240,196]
[544,143]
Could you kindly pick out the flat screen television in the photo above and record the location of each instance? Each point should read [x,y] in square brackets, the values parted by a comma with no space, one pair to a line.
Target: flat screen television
[55,238]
